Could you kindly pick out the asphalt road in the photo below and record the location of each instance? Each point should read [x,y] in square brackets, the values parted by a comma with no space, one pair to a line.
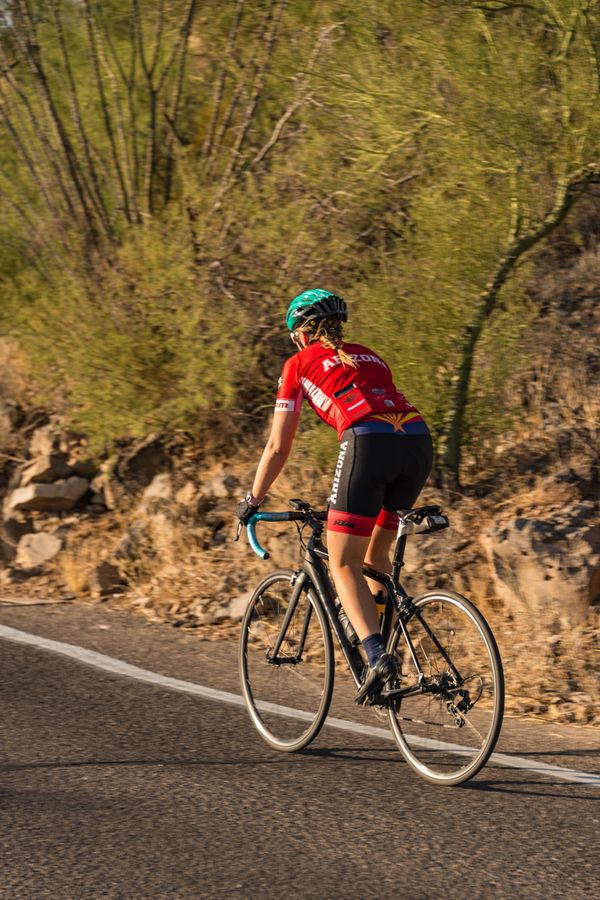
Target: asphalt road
[112,788]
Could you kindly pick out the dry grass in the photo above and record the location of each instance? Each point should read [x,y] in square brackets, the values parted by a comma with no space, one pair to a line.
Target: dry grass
[14,383]
[13,390]
[75,568]
[556,675]
[88,545]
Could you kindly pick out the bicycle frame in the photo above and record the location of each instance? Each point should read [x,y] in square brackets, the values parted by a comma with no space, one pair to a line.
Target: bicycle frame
[295,614]
[399,608]
[397,601]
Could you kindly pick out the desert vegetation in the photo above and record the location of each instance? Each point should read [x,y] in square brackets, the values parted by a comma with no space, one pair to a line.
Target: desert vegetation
[172,173]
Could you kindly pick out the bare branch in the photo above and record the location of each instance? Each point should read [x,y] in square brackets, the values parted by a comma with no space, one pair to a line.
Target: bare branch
[303,80]
[177,94]
[120,127]
[139,36]
[93,40]
[188,201]
[160,24]
[268,35]
[27,160]
[96,192]
[220,82]
[266,41]
[34,59]
[30,125]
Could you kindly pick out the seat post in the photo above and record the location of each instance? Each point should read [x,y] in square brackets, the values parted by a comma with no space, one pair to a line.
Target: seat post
[398,560]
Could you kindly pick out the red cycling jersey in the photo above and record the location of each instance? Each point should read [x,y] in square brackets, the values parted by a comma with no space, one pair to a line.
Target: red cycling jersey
[317,373]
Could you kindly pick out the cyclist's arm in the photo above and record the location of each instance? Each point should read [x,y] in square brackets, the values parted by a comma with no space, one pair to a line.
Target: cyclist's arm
[276,452]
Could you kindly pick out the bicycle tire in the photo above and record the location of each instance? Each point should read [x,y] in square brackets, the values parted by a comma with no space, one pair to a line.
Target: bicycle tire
[288,703]
[463,718]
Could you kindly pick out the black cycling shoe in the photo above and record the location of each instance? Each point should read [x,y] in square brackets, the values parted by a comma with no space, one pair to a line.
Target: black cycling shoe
[385,668]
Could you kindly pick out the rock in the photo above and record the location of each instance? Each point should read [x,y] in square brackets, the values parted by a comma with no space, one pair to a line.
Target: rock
[217,519]
[12,414]
[547,569]
[215,615]
[104,491]
[85,468]
[12,531]
[17,575]
[160,488]
[47,468]
[69,441]
[220,486]
[107,579]
[128,546]
[205,611]
[36,549]
[58,497]
[186,494]
[237,606]
[143,461]
[43,441]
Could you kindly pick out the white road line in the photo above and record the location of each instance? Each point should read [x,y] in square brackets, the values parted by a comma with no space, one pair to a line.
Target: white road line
[118,667]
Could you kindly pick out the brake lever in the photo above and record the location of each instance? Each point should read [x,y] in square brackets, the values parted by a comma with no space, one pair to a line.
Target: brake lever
[239,531]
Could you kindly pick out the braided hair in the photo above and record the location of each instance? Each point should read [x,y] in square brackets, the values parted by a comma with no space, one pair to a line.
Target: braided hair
[329,333]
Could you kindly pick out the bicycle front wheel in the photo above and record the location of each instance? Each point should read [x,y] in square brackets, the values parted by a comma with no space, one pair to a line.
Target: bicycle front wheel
[286,661]
[447,720]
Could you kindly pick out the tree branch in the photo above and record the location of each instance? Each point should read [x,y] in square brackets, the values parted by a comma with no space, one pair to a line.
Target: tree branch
[569,190]
[303,81]
[220,82]
[92,37]
[176,99]
[96,192]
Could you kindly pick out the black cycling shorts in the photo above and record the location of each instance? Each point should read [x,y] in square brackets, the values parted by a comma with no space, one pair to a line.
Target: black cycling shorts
[376,474]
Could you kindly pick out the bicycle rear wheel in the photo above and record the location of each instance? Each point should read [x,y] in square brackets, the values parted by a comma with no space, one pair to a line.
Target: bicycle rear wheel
[448,725]
[287,688]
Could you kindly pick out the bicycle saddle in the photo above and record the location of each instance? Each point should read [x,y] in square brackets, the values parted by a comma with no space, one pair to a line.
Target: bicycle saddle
[422,520]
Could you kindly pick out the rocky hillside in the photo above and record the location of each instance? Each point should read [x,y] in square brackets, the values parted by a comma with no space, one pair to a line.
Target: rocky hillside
[151,528]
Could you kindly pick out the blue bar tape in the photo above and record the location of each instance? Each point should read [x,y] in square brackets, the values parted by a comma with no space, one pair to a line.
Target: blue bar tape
[263,517]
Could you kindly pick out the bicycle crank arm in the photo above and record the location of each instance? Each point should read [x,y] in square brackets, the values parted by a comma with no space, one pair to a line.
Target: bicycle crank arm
[399,693]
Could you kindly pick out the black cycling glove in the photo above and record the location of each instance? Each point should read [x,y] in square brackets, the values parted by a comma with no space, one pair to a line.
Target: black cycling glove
[245,510]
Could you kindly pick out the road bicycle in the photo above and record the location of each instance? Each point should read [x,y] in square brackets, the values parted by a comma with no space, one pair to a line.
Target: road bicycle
[444,709]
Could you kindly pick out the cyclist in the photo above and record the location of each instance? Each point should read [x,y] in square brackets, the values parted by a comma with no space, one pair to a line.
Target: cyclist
[384,459]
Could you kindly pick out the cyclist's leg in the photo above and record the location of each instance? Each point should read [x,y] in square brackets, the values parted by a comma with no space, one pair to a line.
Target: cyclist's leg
[346,557]
[356,498]
[415,459]
[378,553]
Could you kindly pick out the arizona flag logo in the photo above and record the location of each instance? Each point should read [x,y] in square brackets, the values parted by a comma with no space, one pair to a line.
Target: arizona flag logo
[399,420]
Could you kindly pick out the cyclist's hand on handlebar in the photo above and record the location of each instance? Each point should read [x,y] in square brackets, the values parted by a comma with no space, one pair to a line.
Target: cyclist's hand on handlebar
[246,509]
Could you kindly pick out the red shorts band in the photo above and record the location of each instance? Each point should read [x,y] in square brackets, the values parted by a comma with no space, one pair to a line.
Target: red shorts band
[350,523]
[387,520]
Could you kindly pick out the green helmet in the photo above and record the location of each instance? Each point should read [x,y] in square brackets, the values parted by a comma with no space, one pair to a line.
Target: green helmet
[315,304]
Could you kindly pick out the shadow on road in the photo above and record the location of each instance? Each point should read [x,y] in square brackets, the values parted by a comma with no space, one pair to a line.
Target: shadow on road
[162,763]
[534,787]
[583,752]
[522,787]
